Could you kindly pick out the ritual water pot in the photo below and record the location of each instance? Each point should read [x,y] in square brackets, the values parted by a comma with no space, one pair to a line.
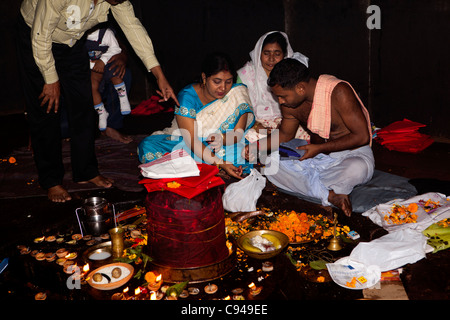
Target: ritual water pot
[95,216]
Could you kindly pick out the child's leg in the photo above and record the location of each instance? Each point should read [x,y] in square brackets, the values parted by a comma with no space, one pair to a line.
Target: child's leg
[96,79]
[119,85]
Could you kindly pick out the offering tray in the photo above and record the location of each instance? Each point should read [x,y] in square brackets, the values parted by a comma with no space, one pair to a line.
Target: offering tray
[282,238]
[108,282]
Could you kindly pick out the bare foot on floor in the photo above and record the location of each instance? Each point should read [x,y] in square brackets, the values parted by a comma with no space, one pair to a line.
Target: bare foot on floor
[341,201]
[58,194]
[116,135]
[100,181]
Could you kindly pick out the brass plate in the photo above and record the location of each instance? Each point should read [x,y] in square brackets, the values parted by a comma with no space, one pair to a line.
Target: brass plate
[284,240]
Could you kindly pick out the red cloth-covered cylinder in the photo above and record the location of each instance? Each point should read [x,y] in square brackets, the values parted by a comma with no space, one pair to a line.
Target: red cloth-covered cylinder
[186,233]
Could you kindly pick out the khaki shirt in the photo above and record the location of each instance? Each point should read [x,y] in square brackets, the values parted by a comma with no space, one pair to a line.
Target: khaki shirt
[65,22]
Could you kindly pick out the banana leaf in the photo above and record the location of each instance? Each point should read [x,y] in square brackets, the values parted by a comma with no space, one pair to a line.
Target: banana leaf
[176,289]
[438,237]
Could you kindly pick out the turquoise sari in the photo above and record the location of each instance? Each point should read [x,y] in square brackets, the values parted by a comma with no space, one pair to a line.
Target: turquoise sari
[218,116]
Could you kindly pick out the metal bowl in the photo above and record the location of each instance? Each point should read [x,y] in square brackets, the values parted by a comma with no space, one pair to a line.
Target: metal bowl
[284,241]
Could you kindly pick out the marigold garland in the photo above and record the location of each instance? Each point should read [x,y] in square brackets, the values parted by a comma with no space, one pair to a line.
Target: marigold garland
[299,227]
[406,213]
[429,206]
[402,214]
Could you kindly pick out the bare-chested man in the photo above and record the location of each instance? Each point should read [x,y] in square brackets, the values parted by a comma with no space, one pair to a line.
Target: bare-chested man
[339,155]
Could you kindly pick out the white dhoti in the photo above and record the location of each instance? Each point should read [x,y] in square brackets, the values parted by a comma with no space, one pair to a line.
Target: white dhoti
[315,177]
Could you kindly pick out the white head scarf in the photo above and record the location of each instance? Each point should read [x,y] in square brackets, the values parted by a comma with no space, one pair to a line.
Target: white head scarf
[253,75]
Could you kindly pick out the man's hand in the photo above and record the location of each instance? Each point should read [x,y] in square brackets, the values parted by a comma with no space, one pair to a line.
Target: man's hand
[50,94]
[118,64]
[165,90]
[311,150]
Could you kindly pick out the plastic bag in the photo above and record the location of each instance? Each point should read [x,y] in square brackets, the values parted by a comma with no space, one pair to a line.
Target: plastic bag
[345,270]
[393,250]
[242,196]
[425,218]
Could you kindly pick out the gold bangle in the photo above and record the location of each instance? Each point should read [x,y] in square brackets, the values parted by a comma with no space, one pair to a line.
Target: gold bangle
[217,164]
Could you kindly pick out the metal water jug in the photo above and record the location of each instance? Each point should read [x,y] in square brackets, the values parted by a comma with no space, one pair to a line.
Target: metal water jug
[95,216]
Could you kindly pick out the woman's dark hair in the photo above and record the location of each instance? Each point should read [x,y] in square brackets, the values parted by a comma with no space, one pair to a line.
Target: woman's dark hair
[216,62]
[276,37]
[288,73]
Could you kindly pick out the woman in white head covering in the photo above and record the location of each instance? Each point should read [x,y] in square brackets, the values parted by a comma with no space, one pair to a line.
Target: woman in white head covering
[270,49]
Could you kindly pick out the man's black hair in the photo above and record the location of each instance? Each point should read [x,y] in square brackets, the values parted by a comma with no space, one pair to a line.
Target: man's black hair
[288,73]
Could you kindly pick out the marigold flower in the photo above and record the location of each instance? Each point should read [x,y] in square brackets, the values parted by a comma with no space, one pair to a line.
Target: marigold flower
[173,185]
[12,160]
[150,277]
[413,207]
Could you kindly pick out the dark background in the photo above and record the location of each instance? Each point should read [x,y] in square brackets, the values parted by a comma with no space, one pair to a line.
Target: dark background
[400,71]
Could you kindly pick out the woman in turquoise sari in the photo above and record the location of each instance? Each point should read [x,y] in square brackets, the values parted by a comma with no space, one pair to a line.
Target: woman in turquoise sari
[211,121]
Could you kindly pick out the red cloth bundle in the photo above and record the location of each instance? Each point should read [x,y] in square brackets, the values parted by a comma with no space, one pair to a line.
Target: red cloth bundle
[404,136]
[186,233]
[149,107]
[187,187]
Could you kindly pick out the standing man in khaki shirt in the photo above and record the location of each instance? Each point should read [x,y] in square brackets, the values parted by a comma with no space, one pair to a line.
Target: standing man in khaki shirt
[55,70]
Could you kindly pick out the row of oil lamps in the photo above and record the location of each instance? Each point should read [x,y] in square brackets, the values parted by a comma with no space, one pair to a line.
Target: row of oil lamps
[153,292]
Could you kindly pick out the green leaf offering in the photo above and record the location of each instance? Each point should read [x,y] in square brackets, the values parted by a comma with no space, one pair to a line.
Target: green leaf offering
[176,289]
[318,264]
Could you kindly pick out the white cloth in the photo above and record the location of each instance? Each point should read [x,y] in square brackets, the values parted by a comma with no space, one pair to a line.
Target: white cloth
[177,164]
[314,177]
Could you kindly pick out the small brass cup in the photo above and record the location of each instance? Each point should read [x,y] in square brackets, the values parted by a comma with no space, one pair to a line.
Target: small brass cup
[117,244]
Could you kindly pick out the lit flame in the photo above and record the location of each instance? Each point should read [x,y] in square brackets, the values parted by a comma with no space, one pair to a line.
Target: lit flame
[86,267]
[229,246]
[153,295]
[252,286]
[137,291]
[158,278]
[126,290]
[227,298]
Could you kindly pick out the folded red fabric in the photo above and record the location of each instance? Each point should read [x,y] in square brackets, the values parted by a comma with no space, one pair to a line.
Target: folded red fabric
[404,136]
[187,187]
[402,126]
